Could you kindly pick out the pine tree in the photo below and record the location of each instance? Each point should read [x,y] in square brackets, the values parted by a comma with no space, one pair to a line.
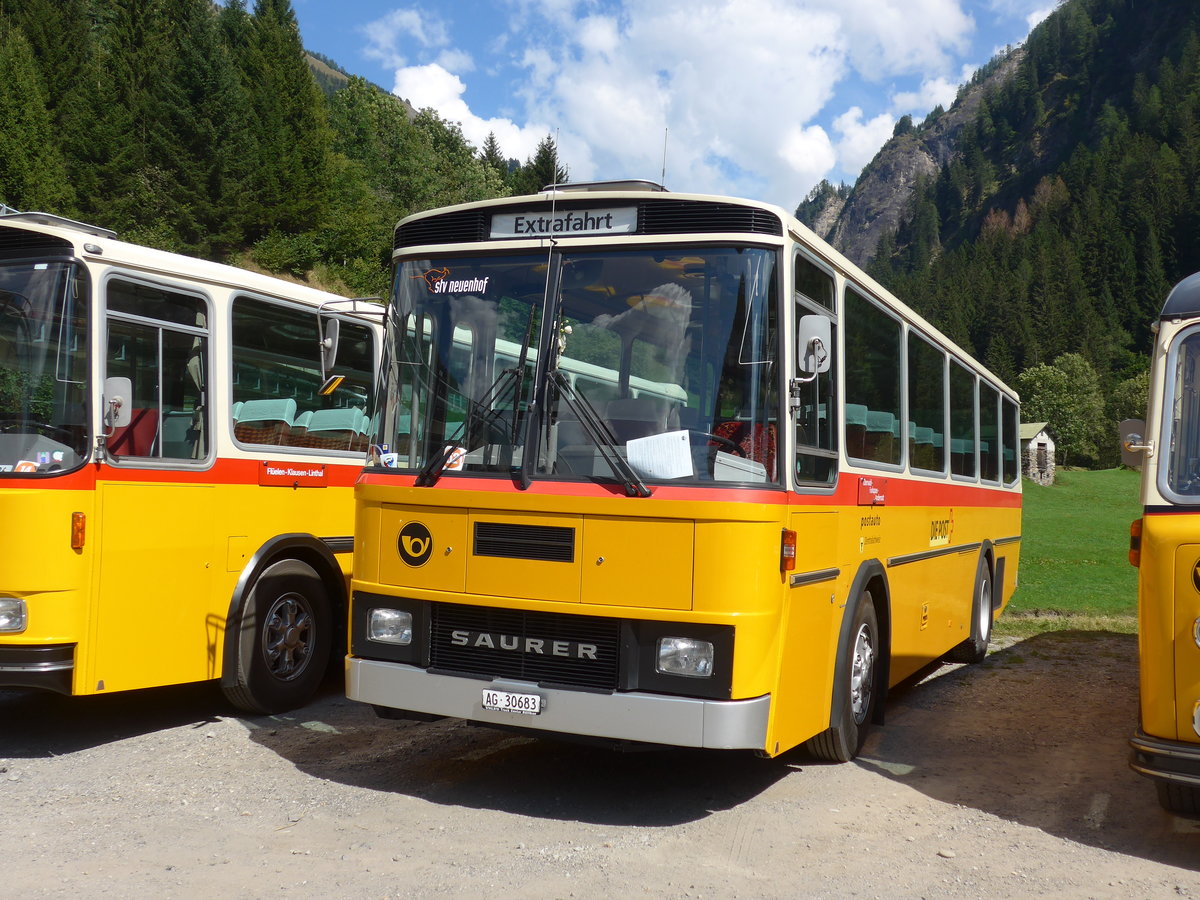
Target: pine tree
[32,172]
[291,180]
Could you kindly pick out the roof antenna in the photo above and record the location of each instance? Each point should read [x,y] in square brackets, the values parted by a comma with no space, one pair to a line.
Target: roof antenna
[663,181]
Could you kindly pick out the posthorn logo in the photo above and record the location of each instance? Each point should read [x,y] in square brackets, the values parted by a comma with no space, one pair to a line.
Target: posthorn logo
[415,544]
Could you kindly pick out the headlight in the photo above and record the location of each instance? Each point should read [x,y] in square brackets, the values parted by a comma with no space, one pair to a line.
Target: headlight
[390,626]
[685,656]
[13,615]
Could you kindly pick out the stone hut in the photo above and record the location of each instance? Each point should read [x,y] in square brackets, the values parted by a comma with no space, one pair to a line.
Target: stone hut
[1037,453]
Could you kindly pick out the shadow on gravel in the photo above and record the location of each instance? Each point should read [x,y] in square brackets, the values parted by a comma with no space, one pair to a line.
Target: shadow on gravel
[1036,734]
[455,764]
[38,724]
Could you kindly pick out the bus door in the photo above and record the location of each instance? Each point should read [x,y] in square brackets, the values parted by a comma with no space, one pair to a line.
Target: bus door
[157,542]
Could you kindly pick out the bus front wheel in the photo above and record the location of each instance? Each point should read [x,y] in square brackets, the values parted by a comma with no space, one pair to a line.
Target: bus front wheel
[286,634]
[859,673]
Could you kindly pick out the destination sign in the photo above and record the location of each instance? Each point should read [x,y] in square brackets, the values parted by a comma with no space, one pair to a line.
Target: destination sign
[565,223]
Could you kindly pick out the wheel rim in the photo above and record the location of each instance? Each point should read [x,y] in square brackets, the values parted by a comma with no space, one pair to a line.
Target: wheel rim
[288,636]
[862,668]
[984,610]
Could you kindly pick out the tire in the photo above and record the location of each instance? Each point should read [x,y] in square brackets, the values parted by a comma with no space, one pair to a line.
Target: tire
[1181,799]
[975,648]
[284,642]
[859,673]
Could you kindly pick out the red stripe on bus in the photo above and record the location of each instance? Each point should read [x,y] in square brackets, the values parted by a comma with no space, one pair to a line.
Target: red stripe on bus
[901,491]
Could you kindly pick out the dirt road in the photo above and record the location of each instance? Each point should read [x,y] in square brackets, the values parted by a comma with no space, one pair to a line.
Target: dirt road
[1007,779]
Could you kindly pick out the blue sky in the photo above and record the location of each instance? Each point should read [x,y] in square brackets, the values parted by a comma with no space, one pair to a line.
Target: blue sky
[751,98]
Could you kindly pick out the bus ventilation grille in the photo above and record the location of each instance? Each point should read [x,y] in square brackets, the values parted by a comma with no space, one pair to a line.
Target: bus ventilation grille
[548,543]
[547,648]
[654,217]
[18,244]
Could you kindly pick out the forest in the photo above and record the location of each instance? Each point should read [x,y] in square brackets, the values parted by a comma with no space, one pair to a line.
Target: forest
[201,129]
[1048,243]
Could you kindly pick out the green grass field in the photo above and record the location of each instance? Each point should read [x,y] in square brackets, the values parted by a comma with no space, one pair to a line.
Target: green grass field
[1075,570]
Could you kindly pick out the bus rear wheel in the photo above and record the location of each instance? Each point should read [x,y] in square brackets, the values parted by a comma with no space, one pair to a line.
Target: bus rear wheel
[283,648]
[975,648]
[1180,799]
[859,674]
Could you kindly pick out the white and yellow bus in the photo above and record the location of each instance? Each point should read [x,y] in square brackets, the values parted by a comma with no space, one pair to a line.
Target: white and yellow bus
[666,469]
[175,491]
[1165,546]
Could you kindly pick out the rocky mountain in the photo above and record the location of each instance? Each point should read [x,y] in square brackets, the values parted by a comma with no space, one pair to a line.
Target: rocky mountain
[855,221]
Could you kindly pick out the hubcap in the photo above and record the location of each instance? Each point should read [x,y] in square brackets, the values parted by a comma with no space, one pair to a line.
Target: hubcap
[287,637]
[985,609]
[862,669]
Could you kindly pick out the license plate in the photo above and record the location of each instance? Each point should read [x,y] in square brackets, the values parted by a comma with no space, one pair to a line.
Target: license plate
[506,701]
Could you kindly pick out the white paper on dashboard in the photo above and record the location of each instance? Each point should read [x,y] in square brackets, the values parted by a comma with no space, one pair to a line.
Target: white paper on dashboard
[661,455]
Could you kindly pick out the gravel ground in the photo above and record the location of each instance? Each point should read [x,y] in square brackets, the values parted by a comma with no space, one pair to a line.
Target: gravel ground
[1006,779]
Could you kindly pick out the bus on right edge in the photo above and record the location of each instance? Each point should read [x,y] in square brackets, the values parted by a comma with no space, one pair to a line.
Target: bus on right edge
[1165,546]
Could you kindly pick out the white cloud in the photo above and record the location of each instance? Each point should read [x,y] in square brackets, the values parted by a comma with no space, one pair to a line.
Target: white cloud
[740,90]
[385,35]
[931,93]
[860,140]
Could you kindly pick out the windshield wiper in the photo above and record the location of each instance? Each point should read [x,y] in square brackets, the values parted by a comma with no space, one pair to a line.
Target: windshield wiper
[601,435]
[482,411]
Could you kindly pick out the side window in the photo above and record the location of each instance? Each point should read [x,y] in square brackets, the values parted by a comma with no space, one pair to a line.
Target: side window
[277,377]
[1011,422]
[962,421]
[816,445]
[813,282]
[989,432]
[926,405]
[158,339]
[872,427]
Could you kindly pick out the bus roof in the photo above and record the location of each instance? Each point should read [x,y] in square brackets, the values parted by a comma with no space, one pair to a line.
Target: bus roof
[1184,299]
[66,237]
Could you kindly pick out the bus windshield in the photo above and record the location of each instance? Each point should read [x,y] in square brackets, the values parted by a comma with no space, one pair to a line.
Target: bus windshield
[639,365]
[43,367]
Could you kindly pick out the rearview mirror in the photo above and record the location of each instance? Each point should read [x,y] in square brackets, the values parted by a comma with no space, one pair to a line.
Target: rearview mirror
[813,338]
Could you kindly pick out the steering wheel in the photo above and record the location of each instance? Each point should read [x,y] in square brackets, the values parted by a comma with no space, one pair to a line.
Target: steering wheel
[723,442]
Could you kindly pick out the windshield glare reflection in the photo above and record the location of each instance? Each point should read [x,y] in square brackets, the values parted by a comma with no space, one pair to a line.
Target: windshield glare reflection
[654,366]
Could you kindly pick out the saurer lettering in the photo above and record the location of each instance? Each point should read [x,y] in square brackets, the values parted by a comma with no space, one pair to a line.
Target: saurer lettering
[518,644]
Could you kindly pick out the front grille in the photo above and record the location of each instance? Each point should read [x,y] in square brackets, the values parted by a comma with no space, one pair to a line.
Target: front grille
[498,643]
[548,543]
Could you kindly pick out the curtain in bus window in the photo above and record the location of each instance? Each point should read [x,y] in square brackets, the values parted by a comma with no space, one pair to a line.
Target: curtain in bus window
[872,428]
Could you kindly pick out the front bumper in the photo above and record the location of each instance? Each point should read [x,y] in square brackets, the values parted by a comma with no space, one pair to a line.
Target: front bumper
[622,716]
[1177,762]
[50,667]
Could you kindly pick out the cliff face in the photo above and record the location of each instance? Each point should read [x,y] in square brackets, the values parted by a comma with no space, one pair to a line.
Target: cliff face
[881,196]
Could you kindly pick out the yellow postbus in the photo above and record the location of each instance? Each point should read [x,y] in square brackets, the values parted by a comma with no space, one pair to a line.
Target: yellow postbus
[1165,545]
[666,469]
[176,493]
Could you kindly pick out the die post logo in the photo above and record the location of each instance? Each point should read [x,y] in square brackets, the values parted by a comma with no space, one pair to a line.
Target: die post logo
[415,544]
